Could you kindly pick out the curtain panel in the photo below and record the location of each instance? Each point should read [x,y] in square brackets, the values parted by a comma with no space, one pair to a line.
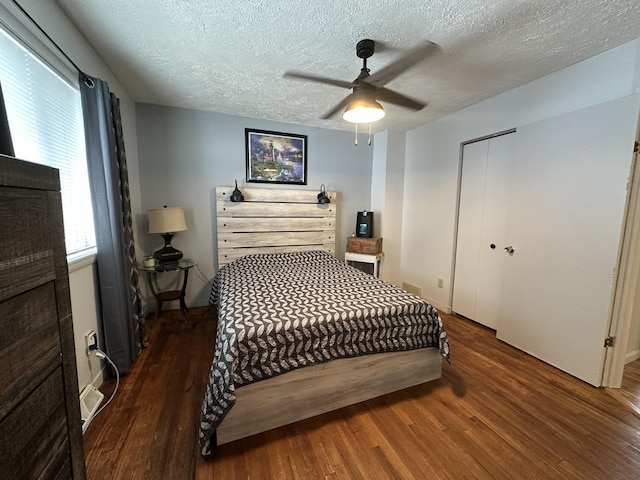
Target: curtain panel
[6,145]
[123,327]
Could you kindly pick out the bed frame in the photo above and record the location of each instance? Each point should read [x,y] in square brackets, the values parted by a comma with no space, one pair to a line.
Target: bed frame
[286,220]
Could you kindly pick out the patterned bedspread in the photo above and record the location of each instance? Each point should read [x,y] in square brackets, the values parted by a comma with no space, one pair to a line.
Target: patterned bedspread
[279,312]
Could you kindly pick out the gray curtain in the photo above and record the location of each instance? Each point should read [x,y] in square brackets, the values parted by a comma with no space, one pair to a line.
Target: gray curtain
[6,145]
[123,327]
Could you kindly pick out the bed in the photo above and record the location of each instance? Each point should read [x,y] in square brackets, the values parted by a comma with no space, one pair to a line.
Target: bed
[301,333]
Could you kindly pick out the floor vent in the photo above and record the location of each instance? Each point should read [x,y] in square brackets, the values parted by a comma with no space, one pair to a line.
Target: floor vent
[90,400]
[412,288]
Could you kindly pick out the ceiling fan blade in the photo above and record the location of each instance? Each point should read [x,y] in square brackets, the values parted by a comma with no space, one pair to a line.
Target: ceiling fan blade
[343,104]
[385,95]
[388,73]
[317,79]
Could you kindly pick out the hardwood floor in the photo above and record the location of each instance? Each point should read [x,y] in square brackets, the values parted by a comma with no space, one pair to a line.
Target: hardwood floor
[629,394]
[149,429]
[496,413]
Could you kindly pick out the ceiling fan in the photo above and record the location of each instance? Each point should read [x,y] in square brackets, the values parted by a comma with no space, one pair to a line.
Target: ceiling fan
[362,104]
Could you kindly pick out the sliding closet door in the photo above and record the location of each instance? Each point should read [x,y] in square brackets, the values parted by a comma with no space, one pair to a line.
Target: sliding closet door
[474,167]
[494,230]
[565,218]
[480,255]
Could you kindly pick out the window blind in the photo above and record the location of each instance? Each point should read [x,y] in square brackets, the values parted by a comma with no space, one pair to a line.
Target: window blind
[47,127]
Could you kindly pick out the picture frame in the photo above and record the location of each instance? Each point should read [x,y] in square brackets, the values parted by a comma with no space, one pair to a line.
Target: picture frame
[275,157]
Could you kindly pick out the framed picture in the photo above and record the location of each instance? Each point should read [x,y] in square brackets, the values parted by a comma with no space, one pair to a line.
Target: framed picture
[275,157]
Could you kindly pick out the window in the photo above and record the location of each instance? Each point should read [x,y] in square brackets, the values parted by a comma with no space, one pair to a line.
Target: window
[45,118]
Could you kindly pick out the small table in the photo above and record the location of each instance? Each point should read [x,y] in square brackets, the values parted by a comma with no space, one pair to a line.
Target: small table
[183,265]
[374,258]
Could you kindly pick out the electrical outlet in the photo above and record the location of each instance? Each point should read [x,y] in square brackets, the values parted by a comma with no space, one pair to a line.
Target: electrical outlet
[91,340]
[440,282]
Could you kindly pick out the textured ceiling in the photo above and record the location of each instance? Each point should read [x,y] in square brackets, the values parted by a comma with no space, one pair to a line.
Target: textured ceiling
[229,55]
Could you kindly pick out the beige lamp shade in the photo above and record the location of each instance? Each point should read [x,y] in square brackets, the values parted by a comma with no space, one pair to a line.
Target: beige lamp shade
[167,219]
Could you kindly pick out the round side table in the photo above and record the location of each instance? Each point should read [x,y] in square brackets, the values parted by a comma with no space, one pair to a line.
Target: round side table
[183,265]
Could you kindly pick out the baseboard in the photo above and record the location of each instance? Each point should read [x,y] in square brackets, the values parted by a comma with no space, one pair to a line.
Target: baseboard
[631,356]
[439,306]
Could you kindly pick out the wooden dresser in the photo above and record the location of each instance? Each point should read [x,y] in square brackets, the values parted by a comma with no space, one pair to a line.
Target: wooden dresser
[40,429]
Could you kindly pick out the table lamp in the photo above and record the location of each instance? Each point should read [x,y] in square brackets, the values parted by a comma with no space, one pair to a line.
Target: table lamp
[167,221]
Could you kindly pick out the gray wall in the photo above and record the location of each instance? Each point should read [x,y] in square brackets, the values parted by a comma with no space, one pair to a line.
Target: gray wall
[184,154]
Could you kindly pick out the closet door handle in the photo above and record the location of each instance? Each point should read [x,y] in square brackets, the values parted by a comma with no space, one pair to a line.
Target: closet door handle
[509,249]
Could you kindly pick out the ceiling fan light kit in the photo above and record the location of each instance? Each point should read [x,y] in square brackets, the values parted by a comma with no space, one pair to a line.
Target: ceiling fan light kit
[361,112]
[362,104]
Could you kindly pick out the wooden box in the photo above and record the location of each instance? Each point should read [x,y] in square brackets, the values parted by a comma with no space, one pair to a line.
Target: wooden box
[366,246]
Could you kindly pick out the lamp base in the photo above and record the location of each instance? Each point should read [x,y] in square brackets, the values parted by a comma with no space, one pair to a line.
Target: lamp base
[167,254]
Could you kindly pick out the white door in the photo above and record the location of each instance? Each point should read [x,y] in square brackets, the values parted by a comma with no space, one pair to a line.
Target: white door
[484,196]
[465,283]
[565,215]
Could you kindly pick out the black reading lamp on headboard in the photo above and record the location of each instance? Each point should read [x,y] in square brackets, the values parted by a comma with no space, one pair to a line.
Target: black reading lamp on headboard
[236,195]
[322,196]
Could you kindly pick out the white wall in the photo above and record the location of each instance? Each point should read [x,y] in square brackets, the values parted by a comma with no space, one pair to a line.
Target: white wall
[433,154]
[184,154]
[84,307]
[82,277]
[387,185]
[378,182]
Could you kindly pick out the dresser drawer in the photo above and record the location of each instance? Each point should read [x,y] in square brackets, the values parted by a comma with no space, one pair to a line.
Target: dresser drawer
[26,252]
[29,343]
[34,438]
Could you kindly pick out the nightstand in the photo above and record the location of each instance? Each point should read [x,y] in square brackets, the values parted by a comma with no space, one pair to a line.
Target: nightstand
[183,265]
[375,259]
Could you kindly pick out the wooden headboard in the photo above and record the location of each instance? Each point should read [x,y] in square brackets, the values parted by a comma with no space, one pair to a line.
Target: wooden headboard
[273,220]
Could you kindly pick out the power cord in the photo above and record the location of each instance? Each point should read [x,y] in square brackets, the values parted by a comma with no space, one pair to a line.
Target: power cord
[202,276]
[100,354]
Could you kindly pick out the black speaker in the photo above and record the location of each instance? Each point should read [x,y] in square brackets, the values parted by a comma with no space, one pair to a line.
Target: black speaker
[364,224]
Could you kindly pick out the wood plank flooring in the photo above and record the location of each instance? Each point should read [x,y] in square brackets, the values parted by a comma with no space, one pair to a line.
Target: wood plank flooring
[497,413]
[629,394]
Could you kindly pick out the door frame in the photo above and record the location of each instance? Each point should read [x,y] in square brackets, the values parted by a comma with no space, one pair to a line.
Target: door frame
[624,302]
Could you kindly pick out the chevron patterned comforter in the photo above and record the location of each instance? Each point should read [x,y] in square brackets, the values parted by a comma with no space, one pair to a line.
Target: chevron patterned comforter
[279,312]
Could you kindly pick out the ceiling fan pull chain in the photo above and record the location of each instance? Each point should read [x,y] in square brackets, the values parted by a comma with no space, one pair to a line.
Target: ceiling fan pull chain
[369,134]
[356,141]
